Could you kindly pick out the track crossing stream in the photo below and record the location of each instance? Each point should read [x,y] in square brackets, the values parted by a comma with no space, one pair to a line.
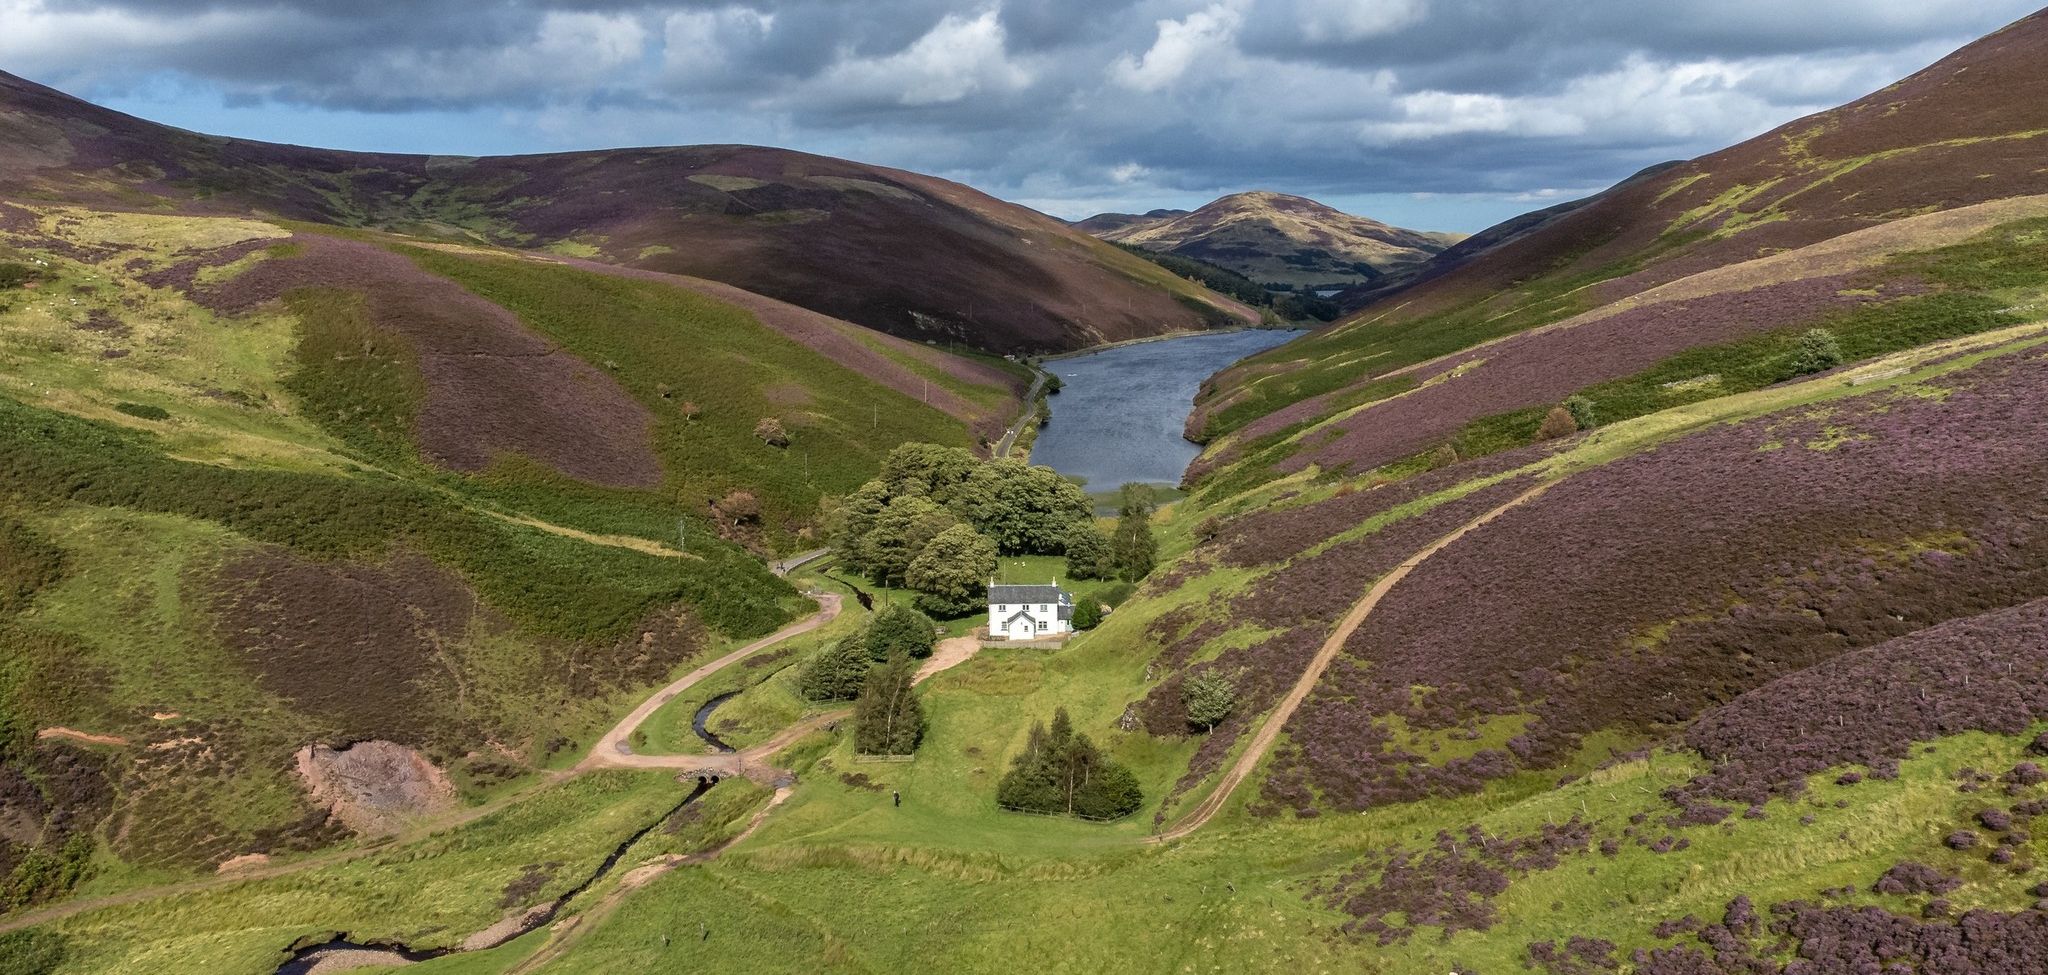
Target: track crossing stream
[338,953]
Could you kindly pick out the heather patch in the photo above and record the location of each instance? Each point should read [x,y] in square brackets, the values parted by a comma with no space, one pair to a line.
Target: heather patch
[701,368]
[1540,369]
[1279,620]
[1450,885]
[362,651]
[1868,707]
[490,386]
[1804,938]
[1934,516]
[1277,533]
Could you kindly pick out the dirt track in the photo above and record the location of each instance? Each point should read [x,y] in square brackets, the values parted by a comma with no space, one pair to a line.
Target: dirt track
[613,749]
[1269,732]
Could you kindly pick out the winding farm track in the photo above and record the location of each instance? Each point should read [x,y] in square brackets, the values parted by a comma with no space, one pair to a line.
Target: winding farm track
[828,609]
[1269,732]
[613,749]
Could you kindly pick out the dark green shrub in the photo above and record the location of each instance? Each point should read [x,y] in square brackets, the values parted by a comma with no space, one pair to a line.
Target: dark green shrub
[899,629]
[1208,698]
[1132,550]
[1582,412]
[1087,551]
[1061,772]
[1087,613]
[1818,351]
[14,275]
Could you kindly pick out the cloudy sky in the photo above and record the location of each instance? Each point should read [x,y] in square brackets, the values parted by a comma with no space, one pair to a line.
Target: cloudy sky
[1436,114]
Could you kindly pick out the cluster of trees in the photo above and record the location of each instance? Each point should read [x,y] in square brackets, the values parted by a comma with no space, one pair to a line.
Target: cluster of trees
[1128,553]
[936,518]
[875,669]
[887,718]
[1061,772]
[841,671]
[1215,277]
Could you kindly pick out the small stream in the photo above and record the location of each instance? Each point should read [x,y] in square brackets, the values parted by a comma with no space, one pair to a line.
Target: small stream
[860,595]
[341,954]
[704,715]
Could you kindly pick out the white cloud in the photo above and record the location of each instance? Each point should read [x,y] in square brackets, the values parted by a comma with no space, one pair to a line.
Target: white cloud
[1205,34]
[958,57]
[1128,173]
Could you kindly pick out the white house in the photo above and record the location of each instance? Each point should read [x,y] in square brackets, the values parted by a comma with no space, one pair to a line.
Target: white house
[1029,612]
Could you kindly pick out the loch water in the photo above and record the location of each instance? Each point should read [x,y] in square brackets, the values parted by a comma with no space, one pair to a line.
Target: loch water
[1122,412]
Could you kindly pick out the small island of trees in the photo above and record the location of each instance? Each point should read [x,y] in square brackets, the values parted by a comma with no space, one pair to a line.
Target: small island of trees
[1062,773]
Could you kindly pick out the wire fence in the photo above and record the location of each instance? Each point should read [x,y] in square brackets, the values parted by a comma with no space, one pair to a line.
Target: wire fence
[1065,815]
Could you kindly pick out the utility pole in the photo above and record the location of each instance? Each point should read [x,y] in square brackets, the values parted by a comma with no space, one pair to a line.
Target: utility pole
[683,534]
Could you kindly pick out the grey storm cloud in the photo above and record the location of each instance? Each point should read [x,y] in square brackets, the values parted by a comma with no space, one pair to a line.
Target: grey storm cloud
[1060,101]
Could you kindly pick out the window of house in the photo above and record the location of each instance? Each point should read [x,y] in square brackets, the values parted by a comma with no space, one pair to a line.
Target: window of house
[1041,626]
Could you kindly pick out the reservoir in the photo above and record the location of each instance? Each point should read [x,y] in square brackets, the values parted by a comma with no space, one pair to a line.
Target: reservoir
[1122,412]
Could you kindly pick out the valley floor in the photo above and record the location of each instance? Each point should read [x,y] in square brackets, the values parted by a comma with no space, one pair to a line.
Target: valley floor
[826,874]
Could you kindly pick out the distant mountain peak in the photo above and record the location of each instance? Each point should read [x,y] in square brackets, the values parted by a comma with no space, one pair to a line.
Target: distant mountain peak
[1276,238]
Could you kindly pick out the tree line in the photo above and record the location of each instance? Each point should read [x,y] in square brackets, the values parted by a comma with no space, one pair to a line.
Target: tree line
[936,518]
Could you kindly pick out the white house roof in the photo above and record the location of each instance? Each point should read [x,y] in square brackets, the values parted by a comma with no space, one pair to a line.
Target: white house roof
[1026,594]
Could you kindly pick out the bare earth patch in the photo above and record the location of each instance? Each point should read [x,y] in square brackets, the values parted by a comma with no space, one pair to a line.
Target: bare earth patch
[90,739]
[246,861]
[374,787]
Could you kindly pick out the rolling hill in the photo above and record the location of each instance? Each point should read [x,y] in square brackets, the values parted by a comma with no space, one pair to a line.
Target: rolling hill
[1900,167]
[1102,224]
[1276,238]
[355,485]
[895,251]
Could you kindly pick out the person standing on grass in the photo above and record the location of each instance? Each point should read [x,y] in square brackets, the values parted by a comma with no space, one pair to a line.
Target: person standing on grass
[897,794]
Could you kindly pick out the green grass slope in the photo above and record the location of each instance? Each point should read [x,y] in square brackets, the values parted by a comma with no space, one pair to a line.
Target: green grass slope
[267,486]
